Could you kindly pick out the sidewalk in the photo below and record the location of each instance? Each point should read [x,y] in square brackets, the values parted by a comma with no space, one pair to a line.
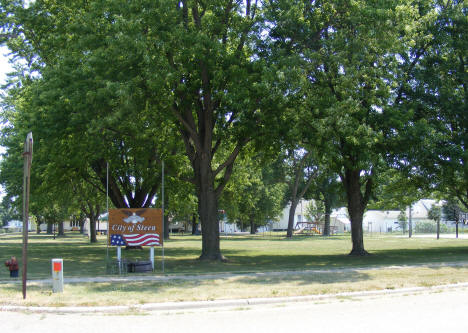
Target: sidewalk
[171,277]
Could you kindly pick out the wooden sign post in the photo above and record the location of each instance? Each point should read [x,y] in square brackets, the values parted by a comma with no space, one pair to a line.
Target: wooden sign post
[28,151]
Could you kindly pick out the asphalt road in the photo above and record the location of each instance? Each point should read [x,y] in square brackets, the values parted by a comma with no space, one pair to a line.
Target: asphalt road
[442,311]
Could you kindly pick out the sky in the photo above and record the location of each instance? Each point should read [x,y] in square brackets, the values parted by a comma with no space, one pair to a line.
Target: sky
[5,67]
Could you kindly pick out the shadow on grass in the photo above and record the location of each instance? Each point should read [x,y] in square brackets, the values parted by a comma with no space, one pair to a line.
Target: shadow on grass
[265,281]
[306,279]
[84,259]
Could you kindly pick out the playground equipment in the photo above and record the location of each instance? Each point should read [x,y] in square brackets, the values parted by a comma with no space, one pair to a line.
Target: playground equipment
[307,228]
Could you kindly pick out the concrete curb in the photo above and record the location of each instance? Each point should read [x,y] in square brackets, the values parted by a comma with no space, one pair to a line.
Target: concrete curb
[170,306]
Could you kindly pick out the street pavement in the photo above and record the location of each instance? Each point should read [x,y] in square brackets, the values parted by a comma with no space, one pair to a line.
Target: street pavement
[443,310]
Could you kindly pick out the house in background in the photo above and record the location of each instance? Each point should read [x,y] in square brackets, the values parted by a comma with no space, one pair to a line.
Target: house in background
[17,226]
[380,221]
[387,220]
[339,221]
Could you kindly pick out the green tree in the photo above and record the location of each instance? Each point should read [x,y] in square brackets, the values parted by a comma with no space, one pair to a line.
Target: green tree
[438,98]
[88,100]
[435,214]
[327,191]
[452,211]
[315,211]
[301,170]
[86,92]
[402,221]
[215,89]
[190,64]
[351,58]
[255,194]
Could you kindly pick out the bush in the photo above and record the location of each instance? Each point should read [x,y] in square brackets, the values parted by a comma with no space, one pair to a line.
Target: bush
[429,228]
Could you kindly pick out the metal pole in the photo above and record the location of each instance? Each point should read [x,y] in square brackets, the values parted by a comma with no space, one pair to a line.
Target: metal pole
[119,259]
[410,223]
[163,220]
[28,150]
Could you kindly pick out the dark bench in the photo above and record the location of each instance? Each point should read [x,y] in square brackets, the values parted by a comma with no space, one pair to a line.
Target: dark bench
[139,266]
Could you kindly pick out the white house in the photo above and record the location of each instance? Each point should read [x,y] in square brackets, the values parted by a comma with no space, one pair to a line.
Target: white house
[17,226]
[374,220]
[380,220]
[387,221]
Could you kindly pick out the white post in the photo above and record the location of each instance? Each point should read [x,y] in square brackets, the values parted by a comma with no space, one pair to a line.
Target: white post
[152,257]
[119,257]
[57,275]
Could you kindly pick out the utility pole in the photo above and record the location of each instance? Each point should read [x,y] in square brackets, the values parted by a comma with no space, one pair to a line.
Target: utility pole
[27,155]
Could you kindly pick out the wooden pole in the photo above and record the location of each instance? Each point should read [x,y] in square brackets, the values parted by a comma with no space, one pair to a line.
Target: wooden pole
[163,222]
[28,150]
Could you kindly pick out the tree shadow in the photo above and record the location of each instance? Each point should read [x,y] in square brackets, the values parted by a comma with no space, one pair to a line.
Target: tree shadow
[84,259]
[300,279]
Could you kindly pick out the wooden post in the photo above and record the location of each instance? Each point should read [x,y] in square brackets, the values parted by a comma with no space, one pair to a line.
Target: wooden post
[28,150]
[163,222]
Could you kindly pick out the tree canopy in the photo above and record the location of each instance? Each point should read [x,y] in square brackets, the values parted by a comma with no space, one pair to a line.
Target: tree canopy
[369,92]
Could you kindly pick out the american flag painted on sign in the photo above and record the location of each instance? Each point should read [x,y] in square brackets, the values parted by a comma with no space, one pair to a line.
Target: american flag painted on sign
[142,240]
[135,240]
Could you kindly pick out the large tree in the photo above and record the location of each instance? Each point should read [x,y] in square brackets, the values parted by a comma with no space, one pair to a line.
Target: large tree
[118,75]
[84,95]
[438,100]
[217,96]
[352,56]
[254,196]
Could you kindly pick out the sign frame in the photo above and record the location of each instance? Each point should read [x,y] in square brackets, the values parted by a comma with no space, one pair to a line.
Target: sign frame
[128,222]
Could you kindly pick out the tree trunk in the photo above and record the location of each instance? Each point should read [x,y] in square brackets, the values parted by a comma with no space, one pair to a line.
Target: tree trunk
[61,231]
[253,228]
[292,212]
[92,228]
[438,229]
[326,225]
[82,223]
[49,228]
[356,207]
[194,224]
[38,227]
[207,209]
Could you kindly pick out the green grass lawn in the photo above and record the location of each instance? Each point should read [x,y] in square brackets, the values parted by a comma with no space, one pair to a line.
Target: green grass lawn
[244,253]
[259,253]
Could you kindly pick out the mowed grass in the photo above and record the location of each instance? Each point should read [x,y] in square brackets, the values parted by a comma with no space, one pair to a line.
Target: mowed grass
[271,252]
[259,253]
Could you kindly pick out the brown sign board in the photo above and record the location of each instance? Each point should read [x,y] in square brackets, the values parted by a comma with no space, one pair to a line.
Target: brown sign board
[135,227]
